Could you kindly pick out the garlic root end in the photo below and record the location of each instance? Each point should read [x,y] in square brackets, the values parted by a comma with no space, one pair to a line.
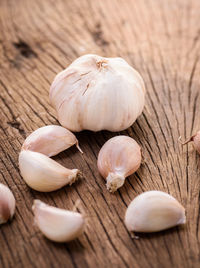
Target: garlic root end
[77,175]
[133,236]
[114,181]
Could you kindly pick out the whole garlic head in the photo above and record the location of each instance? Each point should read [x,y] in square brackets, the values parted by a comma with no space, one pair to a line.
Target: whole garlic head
[154,211]
[97,93]
[57,224]
[119,157]
[7,204]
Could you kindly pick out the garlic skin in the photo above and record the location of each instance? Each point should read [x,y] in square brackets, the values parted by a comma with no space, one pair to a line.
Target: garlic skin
[50,140]
[7,204]
[43,174]
[119,157]
[57,224]
[97,93]
[154,211]
[195,139]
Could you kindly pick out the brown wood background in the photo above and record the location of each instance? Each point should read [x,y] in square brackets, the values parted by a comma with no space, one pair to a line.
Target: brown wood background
[159,38]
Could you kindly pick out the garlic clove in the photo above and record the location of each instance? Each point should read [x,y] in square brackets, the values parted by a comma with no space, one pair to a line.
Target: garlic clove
[7,204]
[195,139]
[154,211]
[50,140]
[118,158]
[44,174]
[98,93]
[57,224]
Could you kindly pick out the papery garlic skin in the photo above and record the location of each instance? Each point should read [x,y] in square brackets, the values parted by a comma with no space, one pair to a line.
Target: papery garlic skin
[119,157]
[57,224]
[97,93]
[44,174]
[50,140]
[195,139]
[154,211]
[7,204]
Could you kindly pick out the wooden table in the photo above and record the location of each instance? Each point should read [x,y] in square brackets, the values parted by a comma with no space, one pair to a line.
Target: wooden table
[161,39]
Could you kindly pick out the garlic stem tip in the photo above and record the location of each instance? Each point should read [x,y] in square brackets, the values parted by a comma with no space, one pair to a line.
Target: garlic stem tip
[78,147]
[184,142]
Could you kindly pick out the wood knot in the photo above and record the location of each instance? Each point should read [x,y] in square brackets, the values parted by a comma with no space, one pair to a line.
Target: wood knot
[24,49]
[98,36]
[17,125]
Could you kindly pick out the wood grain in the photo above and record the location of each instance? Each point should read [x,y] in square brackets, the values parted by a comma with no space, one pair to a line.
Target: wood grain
[161,39]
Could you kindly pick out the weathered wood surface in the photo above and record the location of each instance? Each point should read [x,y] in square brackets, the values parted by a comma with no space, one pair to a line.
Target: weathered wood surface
[159,38]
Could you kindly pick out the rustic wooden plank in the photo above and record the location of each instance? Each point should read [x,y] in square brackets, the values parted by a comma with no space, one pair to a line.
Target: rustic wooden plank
[159,38]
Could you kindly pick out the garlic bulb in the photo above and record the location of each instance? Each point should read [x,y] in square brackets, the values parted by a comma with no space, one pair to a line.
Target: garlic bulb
[118,158]
[50,140]
[97,93]
[154,211]
[195,139]
[57,224]
[7,204]
[44,174]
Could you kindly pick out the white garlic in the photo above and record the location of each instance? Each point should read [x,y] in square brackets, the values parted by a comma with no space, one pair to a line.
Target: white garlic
[118,158]
[57,224]
[7,204]
[98,93]
[44,174]
[50,140]
[154,211]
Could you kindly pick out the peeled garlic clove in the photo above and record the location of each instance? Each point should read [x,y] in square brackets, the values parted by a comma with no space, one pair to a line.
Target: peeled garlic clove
[57,224]
[50,140]
[44,174]
[98,93]
[118,158]
[7,204]
[154,211]
[195,139]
